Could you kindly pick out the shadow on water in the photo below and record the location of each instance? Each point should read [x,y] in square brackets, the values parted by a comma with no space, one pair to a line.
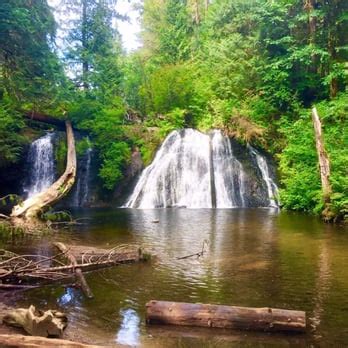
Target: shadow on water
[253,257]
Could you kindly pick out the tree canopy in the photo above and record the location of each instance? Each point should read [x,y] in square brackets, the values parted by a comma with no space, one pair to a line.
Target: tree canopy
[252,68]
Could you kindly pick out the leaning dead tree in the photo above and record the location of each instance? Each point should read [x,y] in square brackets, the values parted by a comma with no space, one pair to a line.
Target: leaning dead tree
[29,210]
[324,164]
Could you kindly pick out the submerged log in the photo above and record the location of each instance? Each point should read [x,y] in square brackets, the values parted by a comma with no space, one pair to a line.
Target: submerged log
[30,208]
[38,342]
[77,270]
[228,317]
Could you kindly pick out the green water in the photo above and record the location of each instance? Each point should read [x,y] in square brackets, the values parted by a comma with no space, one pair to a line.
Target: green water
[254,257]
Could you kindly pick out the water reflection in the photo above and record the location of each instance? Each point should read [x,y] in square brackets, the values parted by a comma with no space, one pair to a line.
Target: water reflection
[70,297]
[129,331]
[254,258]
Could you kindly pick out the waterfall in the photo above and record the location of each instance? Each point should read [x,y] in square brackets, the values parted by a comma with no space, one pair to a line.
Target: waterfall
[80,194]
[178,176]
[228,173]
[41,165]
[272,188]
[192,170]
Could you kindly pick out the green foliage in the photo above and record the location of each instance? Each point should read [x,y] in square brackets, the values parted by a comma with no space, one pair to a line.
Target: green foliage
[11,142]
[115,159]
[82,146]
[60,155]
[298,166]
[299,162]
[30,71]
[253,69]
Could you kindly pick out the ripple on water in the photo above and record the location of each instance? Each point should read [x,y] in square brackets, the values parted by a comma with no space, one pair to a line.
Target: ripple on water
[252,258]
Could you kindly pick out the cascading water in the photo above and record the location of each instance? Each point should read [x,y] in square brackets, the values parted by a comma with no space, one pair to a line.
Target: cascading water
[80,194]
[193,170]
[272,188]
[228,173]
[41,165]
[178,176]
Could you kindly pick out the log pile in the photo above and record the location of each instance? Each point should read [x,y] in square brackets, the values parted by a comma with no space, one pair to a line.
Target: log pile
[26,271]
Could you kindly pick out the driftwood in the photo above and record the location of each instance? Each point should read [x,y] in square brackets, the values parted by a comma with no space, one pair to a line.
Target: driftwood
[36,323]
[78,273]
[324,163]
[39,342]
[229,317]
[31,207]
[199,254]
[22,271]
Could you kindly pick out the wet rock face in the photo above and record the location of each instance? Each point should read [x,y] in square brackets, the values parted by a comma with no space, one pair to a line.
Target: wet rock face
[133,170]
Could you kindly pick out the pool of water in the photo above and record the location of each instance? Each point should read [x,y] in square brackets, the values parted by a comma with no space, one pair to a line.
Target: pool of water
[253,257]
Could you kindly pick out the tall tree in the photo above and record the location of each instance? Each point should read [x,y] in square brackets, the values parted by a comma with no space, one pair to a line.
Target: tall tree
[29,67]
[93,43]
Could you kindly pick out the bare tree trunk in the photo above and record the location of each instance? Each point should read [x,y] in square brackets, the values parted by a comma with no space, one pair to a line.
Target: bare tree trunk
[324,164]
[29,210]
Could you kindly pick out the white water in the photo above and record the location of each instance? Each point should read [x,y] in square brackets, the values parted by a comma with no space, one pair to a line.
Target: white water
[41,165]
[272,188]
[192,170]
[80,196]
[228,173]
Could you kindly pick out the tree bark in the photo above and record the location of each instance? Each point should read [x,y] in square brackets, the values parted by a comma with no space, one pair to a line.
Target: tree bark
[78,272]
[324,163]
[28,211]
[228,317]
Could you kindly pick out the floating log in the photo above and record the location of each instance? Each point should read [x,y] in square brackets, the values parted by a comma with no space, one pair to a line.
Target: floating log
[77,270]
[38,342]
[228,317]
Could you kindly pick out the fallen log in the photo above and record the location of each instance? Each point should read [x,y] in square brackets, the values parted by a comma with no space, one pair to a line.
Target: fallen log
[77,270]
[228,317]
[39,342]
[38,116]
[29,210]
